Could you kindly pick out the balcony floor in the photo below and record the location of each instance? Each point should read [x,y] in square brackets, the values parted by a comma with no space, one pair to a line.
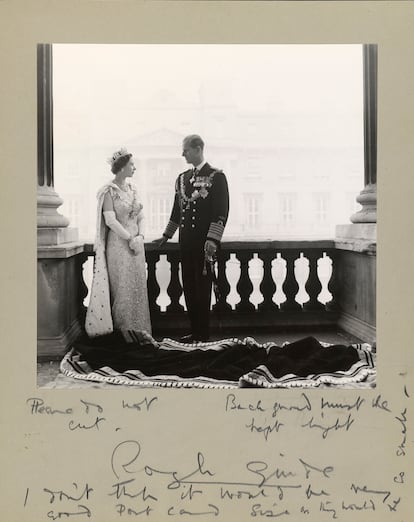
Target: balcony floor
[48,372]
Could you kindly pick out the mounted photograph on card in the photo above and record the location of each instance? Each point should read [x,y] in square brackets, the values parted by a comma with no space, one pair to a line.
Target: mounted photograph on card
[206,215]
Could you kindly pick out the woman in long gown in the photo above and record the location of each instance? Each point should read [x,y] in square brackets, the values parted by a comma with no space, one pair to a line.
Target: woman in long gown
[119,298]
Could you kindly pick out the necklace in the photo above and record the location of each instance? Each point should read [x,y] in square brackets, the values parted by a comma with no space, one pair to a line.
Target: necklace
[123,186]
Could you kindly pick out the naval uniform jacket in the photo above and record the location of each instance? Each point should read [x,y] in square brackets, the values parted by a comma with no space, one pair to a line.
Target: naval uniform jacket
[201,207]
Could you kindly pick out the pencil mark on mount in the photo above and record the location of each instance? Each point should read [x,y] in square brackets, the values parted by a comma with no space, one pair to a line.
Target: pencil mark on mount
[91,404]
[257,510]
[310,493]
[199,470]
[399,479]
[37,406]
[78,426]
[406,391]
[325,506]
[26,497]
[238,494]
[403,420]
[326,429]
[123,455]
[307,406]
[381,404]
[342,406]
[120,490]
[139,406]
[121,508]
[364,489]
[231,404]
[60,514]
[394,505]
[266,430]
[60,495]
[309,468]
[214,511]
[258,467]
[367,505]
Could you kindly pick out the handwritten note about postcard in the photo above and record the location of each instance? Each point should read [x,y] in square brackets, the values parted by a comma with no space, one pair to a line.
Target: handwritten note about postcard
[295,455]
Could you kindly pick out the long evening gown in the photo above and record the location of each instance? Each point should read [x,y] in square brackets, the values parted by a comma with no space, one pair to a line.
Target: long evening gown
[127,272]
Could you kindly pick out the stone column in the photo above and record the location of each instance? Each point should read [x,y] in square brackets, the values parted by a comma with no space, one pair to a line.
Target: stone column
[368,196]
[356,243]
[60,288]
[52,227]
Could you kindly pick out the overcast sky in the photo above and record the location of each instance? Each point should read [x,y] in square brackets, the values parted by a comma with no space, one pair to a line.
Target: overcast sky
[98,89]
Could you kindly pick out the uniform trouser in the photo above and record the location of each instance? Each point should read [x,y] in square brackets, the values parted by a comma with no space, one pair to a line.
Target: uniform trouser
[197,291]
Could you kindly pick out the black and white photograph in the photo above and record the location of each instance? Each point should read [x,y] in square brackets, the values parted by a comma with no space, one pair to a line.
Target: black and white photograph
[207,260]
[206,215]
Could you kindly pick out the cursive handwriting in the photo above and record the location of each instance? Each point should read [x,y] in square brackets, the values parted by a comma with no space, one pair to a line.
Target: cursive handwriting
[326,429]
[89,405]
[78,426]
[61,495]
[257,510]
[37,407]
[232,404]
[121,509]
[213,511]
[364,489]
[342,406]
[84,511]
[265,429]
[309,468]
[379,403]
[305,405]
[403,421]
[139,406]
[121,491]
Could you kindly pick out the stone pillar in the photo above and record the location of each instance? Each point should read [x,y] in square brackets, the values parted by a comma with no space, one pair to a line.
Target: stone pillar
[60,288]
[356,243]
[368,196]
[52,227]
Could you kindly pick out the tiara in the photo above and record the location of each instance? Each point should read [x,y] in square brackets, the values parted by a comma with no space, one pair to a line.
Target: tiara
[116,155]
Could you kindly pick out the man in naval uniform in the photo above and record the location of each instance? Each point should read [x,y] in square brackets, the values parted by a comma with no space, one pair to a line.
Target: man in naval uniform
[200,211]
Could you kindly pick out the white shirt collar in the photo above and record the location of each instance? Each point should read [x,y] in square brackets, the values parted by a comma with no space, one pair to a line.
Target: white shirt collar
[199,167]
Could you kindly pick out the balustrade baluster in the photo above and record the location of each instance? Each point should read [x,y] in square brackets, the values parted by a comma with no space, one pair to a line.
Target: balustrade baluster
[313,285]
[174,289]
[152,258]
[244,286]
[223,285]
[332,284]
[83,290]
[267,286]
[290,285]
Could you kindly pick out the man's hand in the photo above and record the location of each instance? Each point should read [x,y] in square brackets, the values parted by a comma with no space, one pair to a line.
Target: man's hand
[161,241]
[210,248]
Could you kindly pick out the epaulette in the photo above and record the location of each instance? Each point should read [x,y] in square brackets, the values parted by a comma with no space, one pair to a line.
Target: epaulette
[185,172]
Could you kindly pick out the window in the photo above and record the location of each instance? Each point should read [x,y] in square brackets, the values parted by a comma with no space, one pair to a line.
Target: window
[287,208]
[163,172]
[252,210]
[253,167]
[321,202]
[159,213]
